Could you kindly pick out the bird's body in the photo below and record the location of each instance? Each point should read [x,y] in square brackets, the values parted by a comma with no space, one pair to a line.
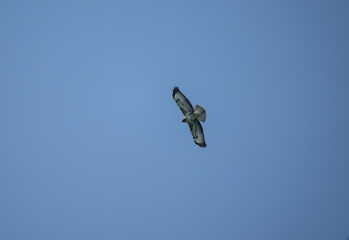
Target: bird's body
[191,116]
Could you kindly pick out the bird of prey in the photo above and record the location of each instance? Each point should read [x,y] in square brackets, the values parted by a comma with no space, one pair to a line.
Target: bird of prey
[192,116]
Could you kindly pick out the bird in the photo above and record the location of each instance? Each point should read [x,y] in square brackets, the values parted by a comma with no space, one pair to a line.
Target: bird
[192,116]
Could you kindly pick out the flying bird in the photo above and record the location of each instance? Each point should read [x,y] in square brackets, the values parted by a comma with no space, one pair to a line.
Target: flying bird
[192,116]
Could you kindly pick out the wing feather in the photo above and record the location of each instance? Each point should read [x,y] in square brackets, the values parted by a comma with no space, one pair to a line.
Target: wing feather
[198,133]
[182,102]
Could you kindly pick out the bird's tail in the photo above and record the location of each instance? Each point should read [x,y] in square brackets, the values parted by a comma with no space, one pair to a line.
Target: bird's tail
[200,112]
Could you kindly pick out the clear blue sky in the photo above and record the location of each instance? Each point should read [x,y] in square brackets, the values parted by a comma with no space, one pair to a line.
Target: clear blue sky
[91,143]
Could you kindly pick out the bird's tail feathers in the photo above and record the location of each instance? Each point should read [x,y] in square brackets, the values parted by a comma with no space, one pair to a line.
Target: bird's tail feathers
[201,112]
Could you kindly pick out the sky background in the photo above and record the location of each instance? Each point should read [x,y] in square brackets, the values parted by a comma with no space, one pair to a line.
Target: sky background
[92,145]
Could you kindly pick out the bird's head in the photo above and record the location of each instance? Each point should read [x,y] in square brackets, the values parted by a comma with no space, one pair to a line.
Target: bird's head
[184,119]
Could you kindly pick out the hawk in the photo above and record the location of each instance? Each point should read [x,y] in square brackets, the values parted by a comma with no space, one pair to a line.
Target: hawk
[192,116]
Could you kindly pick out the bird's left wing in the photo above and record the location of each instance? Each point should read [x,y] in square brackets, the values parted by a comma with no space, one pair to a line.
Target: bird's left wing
[198,133]
[182,102]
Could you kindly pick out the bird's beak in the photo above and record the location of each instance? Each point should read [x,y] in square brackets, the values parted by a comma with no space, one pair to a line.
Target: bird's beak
[184,119]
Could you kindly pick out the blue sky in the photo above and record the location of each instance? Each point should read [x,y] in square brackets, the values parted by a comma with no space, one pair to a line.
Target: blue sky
[91,142]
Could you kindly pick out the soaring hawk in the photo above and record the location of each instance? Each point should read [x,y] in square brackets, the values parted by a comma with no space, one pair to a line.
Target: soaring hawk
[192,116]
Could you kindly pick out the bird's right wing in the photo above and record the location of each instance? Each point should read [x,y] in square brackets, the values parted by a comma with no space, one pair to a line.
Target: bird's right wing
[198,133]
[182,102]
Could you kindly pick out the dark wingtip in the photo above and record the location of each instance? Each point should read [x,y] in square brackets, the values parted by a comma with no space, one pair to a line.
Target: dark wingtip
[176,89]
[203,145]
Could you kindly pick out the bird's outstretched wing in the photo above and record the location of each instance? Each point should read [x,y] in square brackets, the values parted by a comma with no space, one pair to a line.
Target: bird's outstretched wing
[182,102]
[198,133]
